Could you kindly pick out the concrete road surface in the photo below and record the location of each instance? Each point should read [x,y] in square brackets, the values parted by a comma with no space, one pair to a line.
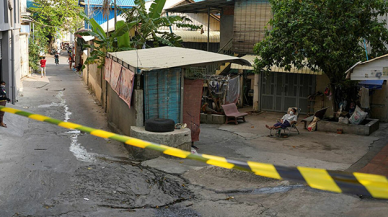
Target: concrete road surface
[47,170]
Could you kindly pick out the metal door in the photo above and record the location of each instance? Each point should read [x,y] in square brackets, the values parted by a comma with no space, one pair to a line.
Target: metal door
[162,94]
[283,90]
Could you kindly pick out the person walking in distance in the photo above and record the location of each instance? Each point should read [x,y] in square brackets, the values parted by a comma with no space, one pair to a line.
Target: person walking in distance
[56,58]
[3,100]
[70,60]
[43,67]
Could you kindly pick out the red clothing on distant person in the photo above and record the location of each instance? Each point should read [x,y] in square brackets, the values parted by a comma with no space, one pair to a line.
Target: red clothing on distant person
[42,63]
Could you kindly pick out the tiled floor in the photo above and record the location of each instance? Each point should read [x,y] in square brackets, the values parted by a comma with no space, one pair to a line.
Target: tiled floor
[379,164]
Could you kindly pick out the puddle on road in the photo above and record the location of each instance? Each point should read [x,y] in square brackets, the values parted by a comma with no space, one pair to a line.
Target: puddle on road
[78,151]
[61,104]
[75,147]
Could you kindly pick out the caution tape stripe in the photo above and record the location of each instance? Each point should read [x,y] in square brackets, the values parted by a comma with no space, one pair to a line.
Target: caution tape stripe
[334,181]
[347,182]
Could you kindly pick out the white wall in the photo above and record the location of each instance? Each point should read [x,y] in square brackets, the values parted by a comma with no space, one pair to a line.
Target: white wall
[198,19]
[24,70]
[368,71]
[23,6]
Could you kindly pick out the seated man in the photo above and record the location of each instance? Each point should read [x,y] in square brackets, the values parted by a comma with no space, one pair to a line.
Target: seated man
[286,121]
[205,108]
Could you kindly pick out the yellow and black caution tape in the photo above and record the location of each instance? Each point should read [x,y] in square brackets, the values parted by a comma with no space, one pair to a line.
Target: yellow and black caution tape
[351,183]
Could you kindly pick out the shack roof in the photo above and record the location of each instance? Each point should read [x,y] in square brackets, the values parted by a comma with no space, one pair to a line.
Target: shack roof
[170,57]
[215,6]
[373,69]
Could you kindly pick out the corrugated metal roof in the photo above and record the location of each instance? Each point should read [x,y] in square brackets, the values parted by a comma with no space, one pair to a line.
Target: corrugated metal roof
[170,57]
[251,59]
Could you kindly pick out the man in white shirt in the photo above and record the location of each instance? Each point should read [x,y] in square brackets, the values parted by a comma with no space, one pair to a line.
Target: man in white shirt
[286,121]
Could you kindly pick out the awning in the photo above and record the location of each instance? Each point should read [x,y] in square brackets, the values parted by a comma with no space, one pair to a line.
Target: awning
[251,59]
[215,6]
[372,84]
[170,57]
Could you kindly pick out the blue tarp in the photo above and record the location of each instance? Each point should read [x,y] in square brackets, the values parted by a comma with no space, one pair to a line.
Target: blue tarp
[372,84]
[118,2]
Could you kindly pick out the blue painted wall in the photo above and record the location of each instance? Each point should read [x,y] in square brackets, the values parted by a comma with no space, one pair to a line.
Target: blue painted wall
[118,2]
[162,94]
[96,9]
[96,13]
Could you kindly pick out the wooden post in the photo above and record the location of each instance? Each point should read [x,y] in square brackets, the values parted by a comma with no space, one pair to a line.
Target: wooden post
[256,93]
[208,29]
[241,95]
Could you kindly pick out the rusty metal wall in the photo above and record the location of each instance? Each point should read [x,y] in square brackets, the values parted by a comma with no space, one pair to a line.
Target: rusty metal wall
[250,19]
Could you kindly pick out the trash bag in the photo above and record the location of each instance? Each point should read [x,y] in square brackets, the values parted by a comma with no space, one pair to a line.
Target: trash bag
[343,120]
[358,116]
[313,125]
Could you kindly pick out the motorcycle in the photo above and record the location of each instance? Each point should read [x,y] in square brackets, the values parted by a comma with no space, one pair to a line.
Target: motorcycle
[57,61]
[53,51]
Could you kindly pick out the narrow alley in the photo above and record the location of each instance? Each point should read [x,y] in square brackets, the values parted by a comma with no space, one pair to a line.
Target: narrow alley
[47,170]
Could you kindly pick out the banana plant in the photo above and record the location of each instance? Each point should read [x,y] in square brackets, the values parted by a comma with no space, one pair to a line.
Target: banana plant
[148,23]
[103,42]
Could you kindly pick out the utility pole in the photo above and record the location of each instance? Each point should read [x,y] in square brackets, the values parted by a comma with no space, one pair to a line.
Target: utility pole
[115,13]
[208,29]
[88,13]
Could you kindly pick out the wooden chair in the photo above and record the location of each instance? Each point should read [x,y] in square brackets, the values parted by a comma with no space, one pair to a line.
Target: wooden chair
[231,112]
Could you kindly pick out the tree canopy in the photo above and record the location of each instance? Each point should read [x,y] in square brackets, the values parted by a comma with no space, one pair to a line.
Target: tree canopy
[52,17]
[325,35]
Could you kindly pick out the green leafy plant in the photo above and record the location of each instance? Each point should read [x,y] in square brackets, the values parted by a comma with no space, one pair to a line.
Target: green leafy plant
[52,17]
[325,35]
[33,56]
[37,45]
[149,22]
[103,42]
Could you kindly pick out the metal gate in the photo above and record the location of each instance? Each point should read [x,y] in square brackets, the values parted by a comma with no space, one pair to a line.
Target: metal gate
[283,90]
[162,94]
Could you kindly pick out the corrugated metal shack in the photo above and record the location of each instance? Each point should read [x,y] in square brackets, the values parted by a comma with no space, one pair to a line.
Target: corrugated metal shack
[243,22]
[160,76]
